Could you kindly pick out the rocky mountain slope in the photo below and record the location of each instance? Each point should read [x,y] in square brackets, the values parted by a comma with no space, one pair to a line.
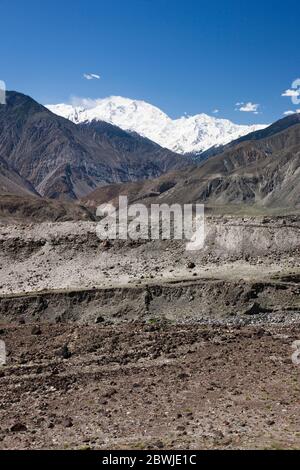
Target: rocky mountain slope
[32,209]
[44,153]
[188,134]
[11,182]
[262,171]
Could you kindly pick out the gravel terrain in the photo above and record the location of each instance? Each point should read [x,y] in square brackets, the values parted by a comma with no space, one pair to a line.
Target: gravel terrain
[149,387]
[143,345]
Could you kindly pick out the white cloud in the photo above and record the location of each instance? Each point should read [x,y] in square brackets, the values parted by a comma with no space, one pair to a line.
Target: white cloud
[87,103]
[290,93]
[247,107]
[216,111]
[289,113]
[91,76]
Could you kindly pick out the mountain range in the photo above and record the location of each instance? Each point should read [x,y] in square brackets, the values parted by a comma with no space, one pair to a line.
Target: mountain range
[42,153]
[186,135]
[261,170]
[45,156]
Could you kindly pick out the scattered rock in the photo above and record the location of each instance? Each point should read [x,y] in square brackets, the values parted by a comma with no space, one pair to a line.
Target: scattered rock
[191,265]
[99,320]
[183,376]
[180,428]
[36,331]
[18,427]
[158,445]
[110,393]
[270,422]
[65,353]
[253,309]
[106,244]
[67,423]
[103,402]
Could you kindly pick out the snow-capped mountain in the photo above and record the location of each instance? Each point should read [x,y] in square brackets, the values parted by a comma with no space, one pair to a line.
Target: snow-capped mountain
[188,134]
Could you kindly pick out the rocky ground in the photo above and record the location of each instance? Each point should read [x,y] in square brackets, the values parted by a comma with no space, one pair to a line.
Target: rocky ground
[146,345]
[149,386]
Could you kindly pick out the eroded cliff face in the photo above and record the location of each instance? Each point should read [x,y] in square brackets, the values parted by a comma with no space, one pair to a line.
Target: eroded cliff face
[64,270]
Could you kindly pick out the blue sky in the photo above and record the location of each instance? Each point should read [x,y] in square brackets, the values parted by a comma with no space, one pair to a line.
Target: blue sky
[187,56]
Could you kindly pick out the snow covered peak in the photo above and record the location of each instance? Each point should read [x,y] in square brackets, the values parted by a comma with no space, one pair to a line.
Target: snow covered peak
[188,134]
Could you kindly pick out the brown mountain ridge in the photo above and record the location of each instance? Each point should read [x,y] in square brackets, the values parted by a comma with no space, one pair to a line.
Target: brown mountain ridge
[49,155]
[261,171]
